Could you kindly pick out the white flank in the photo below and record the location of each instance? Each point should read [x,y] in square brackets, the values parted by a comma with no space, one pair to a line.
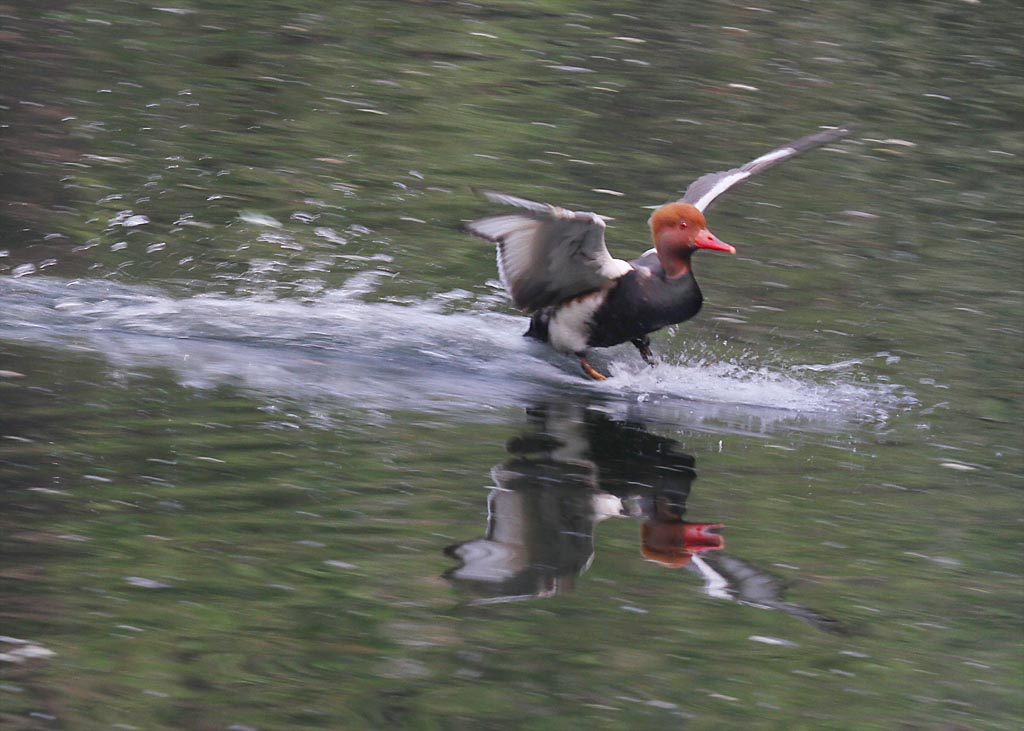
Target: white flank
[569,328]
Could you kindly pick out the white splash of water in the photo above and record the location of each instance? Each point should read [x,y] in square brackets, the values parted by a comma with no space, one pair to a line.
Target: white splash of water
[341,347]
[733,383]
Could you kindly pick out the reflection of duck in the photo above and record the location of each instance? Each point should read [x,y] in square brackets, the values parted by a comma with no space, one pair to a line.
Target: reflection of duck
[556,267]
[573,469]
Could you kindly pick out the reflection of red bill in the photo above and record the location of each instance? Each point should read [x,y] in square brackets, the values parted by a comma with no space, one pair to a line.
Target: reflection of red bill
[672,544]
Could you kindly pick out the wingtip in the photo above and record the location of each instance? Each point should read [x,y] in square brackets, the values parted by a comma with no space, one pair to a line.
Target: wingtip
[843,130]
[488,194]
[470,228]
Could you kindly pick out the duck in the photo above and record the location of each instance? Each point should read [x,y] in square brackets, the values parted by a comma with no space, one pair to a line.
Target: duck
[556,267]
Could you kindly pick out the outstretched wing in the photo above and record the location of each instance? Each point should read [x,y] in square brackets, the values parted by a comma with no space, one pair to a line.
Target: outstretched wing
[728,577]
[547,254]
[705,189]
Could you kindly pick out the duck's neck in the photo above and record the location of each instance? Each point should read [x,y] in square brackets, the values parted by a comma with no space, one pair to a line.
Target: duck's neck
[675,266]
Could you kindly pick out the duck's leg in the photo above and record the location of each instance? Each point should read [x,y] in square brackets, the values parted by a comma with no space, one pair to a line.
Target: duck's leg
[644,346]
[590,370]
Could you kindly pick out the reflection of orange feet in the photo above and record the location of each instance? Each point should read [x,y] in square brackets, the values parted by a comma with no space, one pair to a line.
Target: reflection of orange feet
[591,371]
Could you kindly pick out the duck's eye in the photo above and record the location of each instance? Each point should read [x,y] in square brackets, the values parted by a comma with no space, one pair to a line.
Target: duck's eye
[683,224]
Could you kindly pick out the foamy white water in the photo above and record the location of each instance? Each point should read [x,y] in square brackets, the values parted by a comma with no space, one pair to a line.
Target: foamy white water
[339,347]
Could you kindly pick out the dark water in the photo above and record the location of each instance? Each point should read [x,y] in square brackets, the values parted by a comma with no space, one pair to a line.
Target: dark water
[274,454]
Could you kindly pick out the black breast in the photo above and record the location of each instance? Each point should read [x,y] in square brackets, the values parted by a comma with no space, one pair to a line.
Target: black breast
[643,302]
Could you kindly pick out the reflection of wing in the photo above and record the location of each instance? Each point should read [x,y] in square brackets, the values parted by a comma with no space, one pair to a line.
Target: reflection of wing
[705,189]
[547,254]
[727,577]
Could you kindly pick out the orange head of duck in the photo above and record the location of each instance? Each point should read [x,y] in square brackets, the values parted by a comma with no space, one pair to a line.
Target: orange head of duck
[679,229]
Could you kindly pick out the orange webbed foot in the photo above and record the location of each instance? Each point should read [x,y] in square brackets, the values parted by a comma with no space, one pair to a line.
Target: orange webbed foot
[591,371]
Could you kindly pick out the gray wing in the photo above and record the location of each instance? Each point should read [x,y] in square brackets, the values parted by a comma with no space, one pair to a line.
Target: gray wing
[745,583]
[547,254]
[705,189]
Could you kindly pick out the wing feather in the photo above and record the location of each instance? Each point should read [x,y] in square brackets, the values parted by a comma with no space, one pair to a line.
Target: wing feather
[703,191]
[547,254]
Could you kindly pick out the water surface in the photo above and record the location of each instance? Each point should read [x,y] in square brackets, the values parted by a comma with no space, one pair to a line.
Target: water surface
[275,455]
